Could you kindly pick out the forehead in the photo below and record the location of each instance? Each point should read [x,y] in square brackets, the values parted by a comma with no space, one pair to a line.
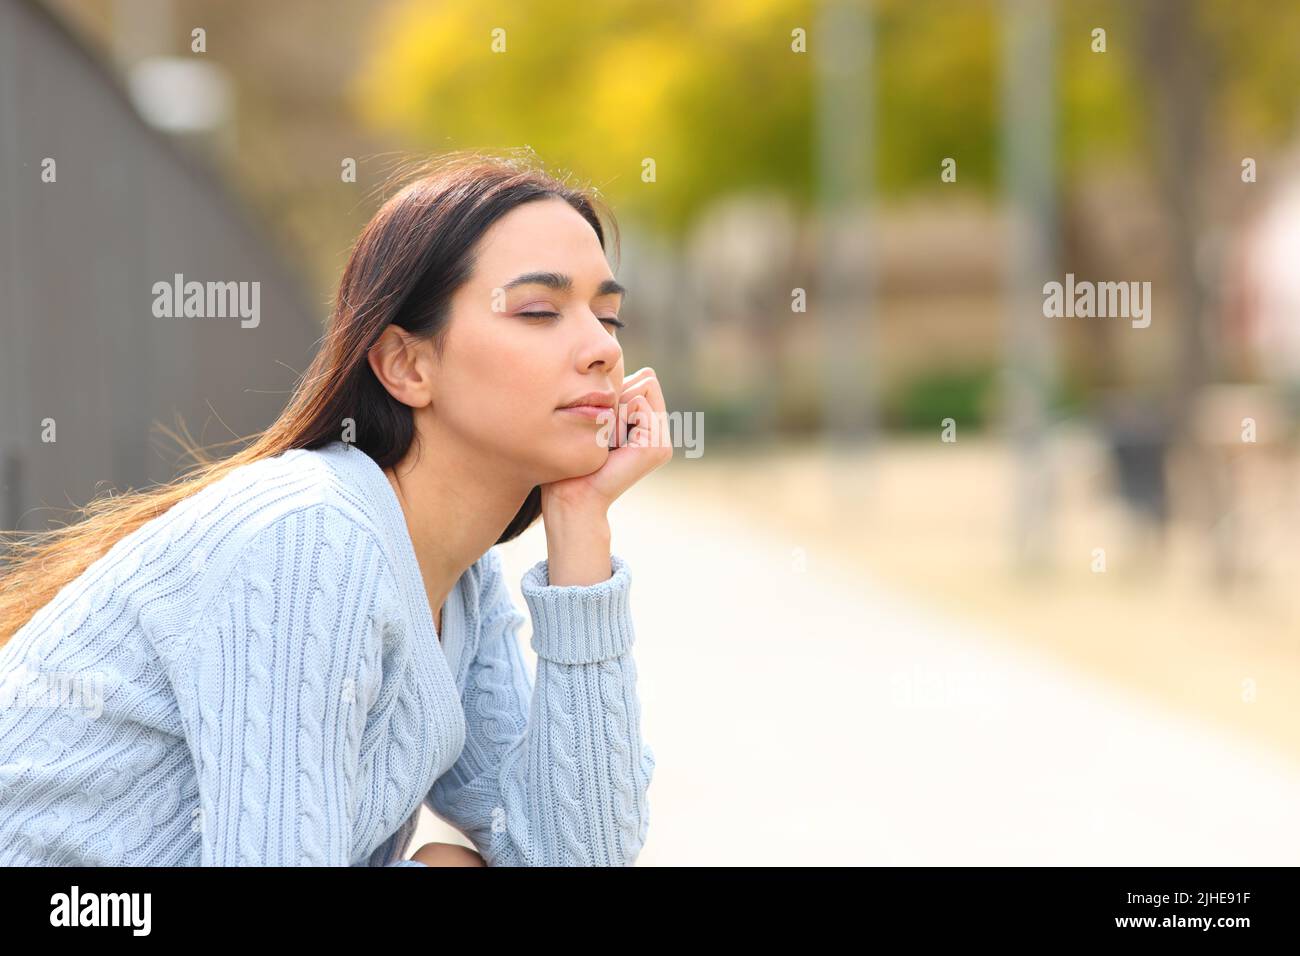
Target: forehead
[540,236]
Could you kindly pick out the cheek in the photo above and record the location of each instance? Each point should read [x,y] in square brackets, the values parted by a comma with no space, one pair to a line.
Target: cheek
[502,378]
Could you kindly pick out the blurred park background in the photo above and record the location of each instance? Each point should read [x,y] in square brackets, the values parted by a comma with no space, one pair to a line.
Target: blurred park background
[950,580]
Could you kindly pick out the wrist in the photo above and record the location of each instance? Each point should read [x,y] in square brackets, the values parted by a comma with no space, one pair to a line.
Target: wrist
[586,517]
[578,549]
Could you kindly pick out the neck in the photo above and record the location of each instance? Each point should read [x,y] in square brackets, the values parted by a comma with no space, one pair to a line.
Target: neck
[456,504]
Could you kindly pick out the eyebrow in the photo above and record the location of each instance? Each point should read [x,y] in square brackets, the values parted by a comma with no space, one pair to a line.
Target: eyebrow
[562,283]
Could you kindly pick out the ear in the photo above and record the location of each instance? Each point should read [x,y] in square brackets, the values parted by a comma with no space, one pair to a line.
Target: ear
[398,360]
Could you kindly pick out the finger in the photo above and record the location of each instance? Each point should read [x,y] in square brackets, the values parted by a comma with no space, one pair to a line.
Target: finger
[649,387]
[608,431]
[656,396]
[632,389]
[640,411]
[652,393]
[622,426]
[650,424]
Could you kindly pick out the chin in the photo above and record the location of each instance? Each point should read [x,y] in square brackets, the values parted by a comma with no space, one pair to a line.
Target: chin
[582,461]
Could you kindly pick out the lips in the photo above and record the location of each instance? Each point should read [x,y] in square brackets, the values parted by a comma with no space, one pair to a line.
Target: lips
[597,400]
[591,406]
[588,411]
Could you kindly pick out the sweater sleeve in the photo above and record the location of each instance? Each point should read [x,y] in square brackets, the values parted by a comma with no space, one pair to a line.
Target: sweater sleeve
[556,776]
[280,665]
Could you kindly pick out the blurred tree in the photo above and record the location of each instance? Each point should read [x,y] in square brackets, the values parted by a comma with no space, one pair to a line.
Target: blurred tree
[712,93]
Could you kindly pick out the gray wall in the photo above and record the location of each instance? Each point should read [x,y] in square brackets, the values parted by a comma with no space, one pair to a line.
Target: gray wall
[78,259]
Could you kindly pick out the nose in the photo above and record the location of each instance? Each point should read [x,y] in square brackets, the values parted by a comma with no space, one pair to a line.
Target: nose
[599,347]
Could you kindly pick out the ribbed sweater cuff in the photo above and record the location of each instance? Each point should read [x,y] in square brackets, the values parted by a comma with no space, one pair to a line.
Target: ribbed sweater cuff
[579,624]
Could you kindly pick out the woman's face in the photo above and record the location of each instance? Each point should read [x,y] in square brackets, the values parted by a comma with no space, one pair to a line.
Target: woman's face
[503,376]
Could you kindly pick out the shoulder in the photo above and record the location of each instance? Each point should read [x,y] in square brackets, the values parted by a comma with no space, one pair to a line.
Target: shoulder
[245,501]
[311,555]
[170,568]
[287,523]
[256,503]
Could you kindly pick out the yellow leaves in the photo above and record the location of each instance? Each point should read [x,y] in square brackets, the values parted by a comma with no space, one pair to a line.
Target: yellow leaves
[596,90]
[417,48]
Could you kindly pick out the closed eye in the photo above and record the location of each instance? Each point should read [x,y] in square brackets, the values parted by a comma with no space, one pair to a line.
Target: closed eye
[617,323]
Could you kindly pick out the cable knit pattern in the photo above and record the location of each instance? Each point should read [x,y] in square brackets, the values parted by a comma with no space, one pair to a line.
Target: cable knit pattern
[546,778]
[254,678]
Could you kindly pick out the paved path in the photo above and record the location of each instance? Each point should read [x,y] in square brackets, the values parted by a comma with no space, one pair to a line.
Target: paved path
[801,715]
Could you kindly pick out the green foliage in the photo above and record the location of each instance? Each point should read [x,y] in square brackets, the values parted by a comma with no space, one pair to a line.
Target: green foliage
[971,395]
[936,76]
[923,401]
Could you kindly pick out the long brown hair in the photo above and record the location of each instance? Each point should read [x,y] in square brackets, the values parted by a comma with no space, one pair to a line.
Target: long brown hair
[404,268]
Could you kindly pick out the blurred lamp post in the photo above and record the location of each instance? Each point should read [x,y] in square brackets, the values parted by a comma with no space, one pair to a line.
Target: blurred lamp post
[842,49]
[1028,110]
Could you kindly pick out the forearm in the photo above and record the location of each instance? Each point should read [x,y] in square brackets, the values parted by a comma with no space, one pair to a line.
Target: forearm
[577,546]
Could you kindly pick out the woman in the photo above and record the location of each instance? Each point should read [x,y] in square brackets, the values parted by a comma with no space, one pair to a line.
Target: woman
[280,657]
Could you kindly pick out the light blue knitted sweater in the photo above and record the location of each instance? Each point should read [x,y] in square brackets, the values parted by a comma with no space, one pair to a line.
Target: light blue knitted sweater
[254,678]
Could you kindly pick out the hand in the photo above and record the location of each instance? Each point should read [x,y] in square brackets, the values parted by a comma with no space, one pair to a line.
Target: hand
[647,446]
[447,854]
